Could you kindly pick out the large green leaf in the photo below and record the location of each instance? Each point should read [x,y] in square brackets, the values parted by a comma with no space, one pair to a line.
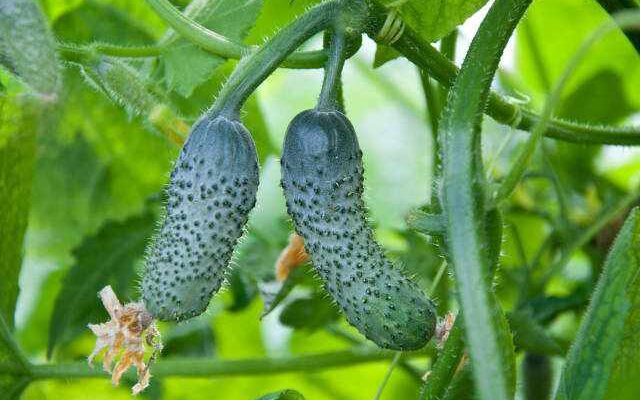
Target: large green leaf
[433,19]
[98,166]
[92,21]
[106,258]
[187,66]
[602,364]
[18,124]
[27,46]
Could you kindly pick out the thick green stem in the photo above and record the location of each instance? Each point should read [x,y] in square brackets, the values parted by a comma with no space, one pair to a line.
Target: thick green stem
[221,45]
[209,368]
[331,85]
[253,69]
[468,241]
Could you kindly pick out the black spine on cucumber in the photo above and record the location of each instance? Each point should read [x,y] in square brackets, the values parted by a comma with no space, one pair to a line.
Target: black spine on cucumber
[212,190]
[322,179]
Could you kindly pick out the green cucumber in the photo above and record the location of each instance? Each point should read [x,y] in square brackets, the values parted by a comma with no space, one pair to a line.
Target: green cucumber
[322,179]
[212,190]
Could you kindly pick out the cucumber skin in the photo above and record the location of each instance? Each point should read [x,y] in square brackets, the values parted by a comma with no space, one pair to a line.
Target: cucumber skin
[322,179]
[212,190]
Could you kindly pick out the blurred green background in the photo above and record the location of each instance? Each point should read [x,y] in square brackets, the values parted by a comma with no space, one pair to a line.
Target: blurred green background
[99,172]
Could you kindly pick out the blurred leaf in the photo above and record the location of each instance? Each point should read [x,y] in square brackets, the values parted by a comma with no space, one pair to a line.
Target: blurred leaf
[600,99]
[56,8]
[253,119]
[18,125]
[14,369]
[105,258]
[243,289]
[96,22]
[98,166]
[434,19]
[602,363]
[188,66]
[191,339]
[274,15]
[288,394]
[29,47]
[141,13]
[530,336]
[309,313]
[540,61]
[274,292]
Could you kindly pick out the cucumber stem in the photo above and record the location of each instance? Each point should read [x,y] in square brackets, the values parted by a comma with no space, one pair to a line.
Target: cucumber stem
[329,94]
[256,67]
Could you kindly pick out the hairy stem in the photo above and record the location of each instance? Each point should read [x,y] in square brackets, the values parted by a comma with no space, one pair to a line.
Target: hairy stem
[253,69]
[490,349]
[208,368]
[331,84]
[221,45]
[425,56]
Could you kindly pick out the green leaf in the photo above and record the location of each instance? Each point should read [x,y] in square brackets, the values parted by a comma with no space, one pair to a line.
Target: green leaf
[243,290]
[95,22]
[106,258]
[602,363]
[288,394]
[29,47]
[436,18]
[18,125]
[309,313]
[14,368]
[253,119]
[188,66]
[97,165]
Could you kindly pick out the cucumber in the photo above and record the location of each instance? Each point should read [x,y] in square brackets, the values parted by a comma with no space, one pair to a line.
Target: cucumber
[212,190]
[322,179]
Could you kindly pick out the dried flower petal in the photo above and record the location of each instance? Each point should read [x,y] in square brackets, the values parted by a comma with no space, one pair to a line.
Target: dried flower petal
[124,332]
[443,328]
[291,257]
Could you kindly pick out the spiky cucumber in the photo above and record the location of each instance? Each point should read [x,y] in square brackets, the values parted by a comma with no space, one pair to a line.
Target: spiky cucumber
[212,190]
[322,179]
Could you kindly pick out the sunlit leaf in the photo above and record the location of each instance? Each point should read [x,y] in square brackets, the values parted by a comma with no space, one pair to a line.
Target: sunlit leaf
[18,125]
